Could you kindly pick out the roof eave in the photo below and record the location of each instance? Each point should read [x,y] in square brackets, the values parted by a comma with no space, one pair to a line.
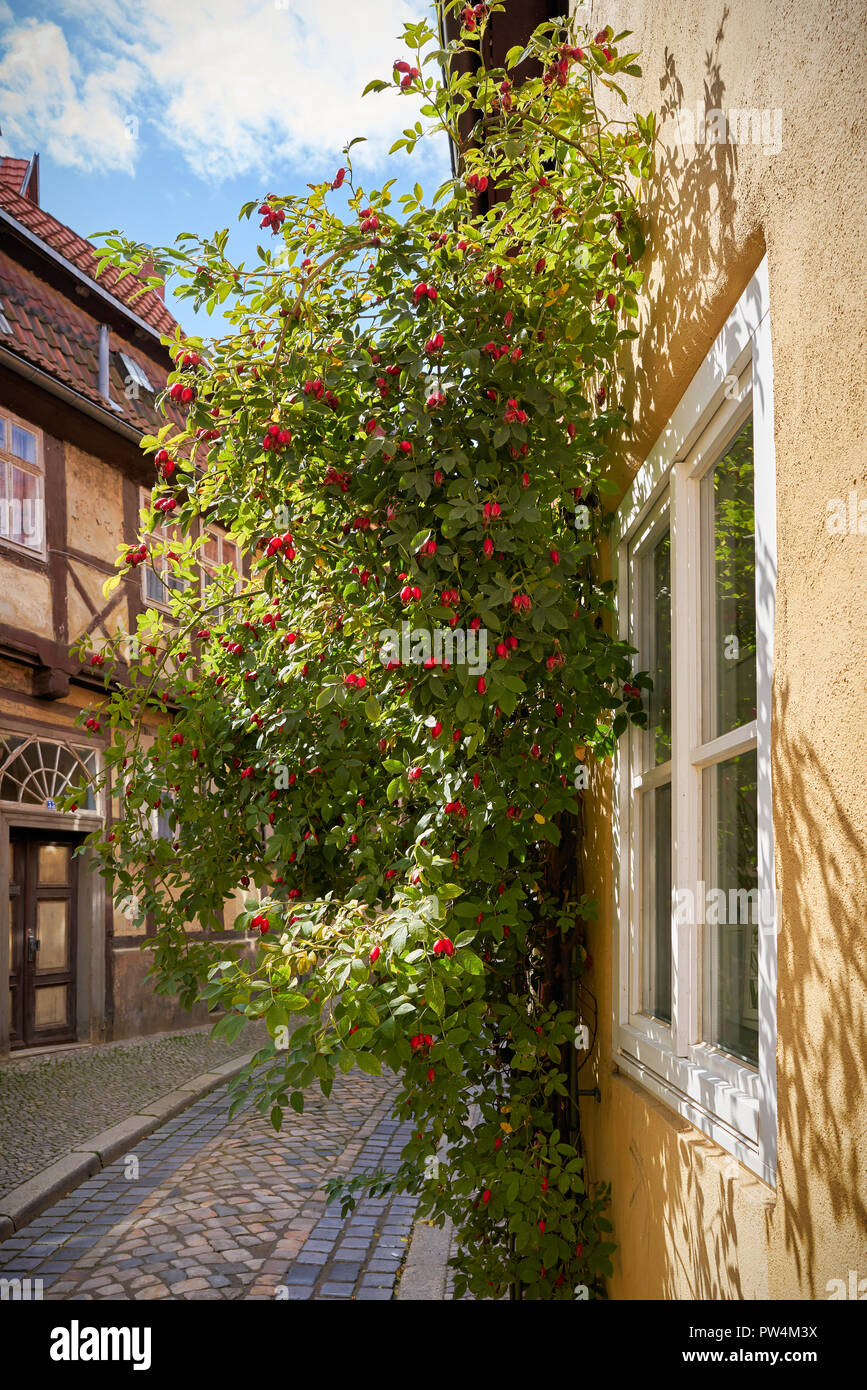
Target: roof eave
[25,234]
[105,416]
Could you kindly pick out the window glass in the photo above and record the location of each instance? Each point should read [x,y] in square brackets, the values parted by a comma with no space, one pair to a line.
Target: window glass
[21,492]
[660,666]
[217,550]
[729,597]
[731,908]
[656,903]
[160,575]
[23,444]
[155,589]
[24,509]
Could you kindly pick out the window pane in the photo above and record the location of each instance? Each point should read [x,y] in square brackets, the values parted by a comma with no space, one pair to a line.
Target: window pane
[210,551]
[652,637]
[174,539]
[163,828]
[730,1017]
[5,518]
[23,444]
[660,700]
[24,511]
[155,591]
[729,606]
[2,434]
[656,903]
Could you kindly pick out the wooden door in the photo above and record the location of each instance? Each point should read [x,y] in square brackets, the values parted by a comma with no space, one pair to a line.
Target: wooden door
[43,900]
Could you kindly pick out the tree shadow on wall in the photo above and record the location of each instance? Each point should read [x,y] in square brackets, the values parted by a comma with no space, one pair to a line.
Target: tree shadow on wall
[821,1004]
[694,267]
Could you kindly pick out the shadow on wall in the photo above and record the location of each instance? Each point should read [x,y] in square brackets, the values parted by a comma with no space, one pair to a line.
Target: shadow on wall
[675,1195]
[694,267]
[822,1021]
[689,1220]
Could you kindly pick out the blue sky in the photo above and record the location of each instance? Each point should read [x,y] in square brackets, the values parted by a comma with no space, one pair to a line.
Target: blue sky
[165,116]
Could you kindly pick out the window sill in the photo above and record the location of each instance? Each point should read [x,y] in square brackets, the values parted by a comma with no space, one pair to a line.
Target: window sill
[38,556]
[711,1091]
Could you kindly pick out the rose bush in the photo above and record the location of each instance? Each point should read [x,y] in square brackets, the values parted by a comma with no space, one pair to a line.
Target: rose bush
[404,425]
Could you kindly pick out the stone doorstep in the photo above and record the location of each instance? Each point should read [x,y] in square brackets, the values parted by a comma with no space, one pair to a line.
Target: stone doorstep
[26,1201]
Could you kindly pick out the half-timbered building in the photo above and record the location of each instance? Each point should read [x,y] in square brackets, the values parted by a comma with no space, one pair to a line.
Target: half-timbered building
[81,365]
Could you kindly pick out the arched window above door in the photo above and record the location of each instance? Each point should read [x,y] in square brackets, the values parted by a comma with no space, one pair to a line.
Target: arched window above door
[36,771]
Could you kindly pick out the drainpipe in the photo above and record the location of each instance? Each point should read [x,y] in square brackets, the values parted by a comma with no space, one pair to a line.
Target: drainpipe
[104,388]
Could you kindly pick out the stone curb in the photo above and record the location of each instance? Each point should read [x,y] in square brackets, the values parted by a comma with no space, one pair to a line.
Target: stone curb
[24,1202]
[424,1273]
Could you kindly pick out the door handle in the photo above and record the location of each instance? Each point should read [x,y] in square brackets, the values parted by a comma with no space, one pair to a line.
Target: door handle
[32,947]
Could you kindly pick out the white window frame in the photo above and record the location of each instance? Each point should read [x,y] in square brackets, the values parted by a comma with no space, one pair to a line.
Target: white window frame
[35,470]
[731,1102]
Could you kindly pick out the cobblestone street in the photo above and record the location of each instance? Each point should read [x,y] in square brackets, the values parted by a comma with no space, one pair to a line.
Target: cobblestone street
[212,1210]
[51,1102]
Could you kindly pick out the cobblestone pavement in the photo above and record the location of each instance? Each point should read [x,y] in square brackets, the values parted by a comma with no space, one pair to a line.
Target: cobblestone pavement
[231,1210]
[50,1104]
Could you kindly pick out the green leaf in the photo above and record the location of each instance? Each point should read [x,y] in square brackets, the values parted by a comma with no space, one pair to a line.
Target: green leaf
[449,890]
[471,963]
[229,1026]
[435,995]
[294,1002]
[276,1017]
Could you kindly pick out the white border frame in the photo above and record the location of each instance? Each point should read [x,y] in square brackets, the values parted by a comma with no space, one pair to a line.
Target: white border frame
[732,1103]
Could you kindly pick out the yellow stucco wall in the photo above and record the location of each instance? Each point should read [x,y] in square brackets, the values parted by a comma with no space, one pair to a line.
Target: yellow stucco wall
[690,1220]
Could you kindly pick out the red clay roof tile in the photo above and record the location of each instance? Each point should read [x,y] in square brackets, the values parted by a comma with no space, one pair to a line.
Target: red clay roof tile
[78,251]
[58,335]
[13,172]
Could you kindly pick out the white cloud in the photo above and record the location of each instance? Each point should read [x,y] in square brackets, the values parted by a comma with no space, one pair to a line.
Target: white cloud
[49,103]
[235,85]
